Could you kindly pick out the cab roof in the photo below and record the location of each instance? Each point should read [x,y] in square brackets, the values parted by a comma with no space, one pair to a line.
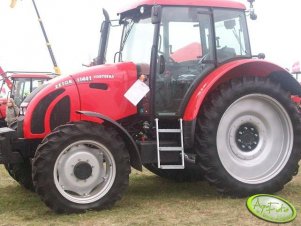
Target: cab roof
[33,75]
[133,4]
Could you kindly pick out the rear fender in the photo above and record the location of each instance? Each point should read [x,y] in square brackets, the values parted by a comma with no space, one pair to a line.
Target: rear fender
[236,69]
[229,71]
[135,158]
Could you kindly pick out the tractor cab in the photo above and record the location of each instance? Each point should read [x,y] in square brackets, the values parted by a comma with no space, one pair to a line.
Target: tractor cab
[180,45]
[24,84]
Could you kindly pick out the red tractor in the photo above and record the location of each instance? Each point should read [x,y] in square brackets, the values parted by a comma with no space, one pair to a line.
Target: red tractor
[20,84]
[217,112]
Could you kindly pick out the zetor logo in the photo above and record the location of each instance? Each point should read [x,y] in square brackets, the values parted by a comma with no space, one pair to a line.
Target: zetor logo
[271,208]
[64,83]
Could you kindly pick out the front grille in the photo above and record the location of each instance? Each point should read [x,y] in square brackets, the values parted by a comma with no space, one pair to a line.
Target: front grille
[60,113]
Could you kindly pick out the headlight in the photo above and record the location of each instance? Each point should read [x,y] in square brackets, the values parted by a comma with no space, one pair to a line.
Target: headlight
[23,108]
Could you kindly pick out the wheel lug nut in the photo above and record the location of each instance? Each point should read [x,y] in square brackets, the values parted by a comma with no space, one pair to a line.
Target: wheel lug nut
[239,140]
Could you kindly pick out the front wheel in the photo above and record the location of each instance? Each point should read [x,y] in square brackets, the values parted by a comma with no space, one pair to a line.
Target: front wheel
[248,137]
[81,166]
[20,172]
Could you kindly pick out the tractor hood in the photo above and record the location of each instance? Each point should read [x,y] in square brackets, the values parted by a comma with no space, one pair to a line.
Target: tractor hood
[98,89]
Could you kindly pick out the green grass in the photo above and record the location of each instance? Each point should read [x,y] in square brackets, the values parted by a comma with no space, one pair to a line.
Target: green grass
[149,200]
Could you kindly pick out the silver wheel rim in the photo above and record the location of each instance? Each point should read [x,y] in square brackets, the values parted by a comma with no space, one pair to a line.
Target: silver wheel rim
[99,168]
[245,157]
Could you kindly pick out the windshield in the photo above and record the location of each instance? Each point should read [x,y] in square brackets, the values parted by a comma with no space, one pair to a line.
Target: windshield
[231,34]
[137,41]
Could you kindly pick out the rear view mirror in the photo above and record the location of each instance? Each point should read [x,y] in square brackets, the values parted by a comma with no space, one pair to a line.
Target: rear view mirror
[229,24]
[156,14]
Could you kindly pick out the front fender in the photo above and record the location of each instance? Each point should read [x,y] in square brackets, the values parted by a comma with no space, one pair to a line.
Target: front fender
[135,158]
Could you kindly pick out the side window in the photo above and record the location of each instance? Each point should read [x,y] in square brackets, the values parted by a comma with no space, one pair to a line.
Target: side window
[26,89]
[188,47]
[231,34]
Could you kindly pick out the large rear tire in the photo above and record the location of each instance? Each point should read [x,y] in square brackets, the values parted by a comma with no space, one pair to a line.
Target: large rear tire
[248,137]
[81,166]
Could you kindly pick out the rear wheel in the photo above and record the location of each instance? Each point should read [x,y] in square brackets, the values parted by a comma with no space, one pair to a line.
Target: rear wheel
[247,137]
[81,166]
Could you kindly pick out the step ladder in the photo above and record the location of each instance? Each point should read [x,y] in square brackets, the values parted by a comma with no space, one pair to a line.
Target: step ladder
[170,149]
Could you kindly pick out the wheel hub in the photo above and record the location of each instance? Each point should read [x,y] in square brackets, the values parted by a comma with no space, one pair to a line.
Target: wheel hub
[247,137]
[82,170]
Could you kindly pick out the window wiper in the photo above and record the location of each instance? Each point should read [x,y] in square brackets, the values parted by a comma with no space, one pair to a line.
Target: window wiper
[238,38]
[127,33]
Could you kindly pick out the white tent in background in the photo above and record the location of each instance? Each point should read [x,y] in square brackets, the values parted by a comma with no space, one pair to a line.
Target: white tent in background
[296,67]
[296,70]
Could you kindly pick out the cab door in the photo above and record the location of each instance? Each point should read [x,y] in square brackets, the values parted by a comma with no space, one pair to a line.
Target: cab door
[186,47]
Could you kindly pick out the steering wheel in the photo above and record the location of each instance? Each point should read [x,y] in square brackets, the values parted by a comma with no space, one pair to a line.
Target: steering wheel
[203,58]
[169,60]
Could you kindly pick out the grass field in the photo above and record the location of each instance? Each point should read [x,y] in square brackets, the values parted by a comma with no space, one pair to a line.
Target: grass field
[149,200]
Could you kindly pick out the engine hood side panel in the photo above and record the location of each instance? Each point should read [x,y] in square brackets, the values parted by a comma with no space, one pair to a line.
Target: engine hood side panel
[98,89]
[45,110]
[102,88]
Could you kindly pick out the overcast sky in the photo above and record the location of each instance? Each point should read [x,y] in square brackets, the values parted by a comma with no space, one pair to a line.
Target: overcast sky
[73,30]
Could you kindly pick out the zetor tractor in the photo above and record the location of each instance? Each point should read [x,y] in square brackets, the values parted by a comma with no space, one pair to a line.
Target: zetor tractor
[213,111]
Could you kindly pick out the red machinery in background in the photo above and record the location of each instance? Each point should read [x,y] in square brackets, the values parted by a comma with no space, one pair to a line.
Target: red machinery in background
[18,85]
